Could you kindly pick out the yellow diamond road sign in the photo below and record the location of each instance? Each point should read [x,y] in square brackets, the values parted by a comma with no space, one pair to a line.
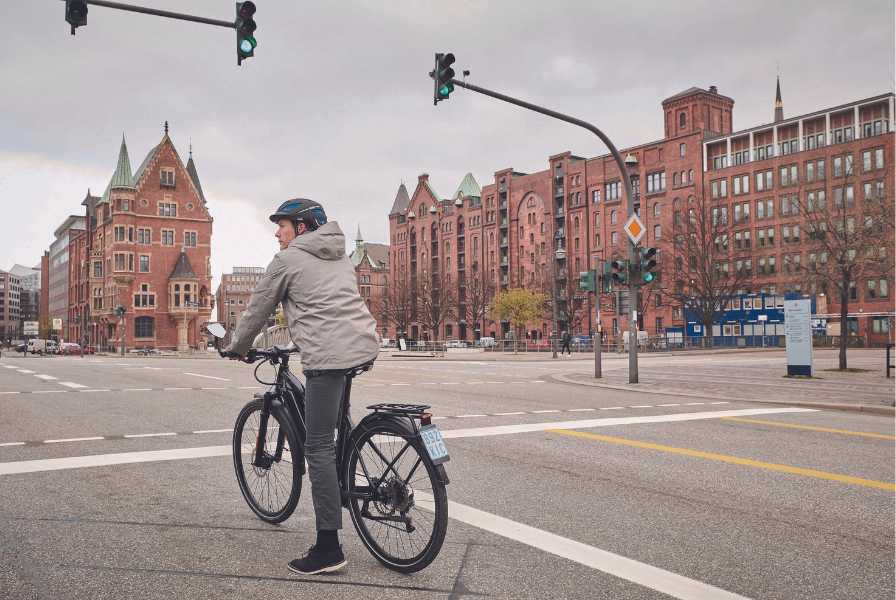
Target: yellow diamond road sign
[634,228]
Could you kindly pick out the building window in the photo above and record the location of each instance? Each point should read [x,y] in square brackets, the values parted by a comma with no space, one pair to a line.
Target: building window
[144,298]
[816,200]
[97,268]
[763,181]
[595,196]
[741,184]
[612,192]
[167,209]
[144,263]
[167,177]
[765,209]
[657,232]
[119,233]
[97,298]
[190,239]
[682,120]
[788,175]
[167,237]
[144,235]
[682,150]
[144,327]
[121,261]
[844,194]
[613,217]
[880,325]
[656,182]
[656,209]
[878,288]
[614,238]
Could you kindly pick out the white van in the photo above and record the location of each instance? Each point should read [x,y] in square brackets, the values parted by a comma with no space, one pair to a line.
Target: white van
[38,346]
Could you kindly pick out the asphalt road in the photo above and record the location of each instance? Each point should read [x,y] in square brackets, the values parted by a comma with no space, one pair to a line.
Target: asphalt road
[558,490]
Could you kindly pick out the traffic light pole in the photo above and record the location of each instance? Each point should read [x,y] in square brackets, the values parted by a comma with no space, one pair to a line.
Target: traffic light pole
[161,13]
[627,182]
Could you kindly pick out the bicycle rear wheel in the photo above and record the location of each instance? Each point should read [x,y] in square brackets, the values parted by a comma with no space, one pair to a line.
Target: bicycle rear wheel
[396,500]
[271,487]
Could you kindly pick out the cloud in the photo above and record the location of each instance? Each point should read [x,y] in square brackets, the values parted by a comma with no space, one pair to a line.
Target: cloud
[336,105]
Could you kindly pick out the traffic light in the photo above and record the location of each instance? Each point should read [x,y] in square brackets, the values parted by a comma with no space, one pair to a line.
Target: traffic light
[245,31]
[606,277]
[648,264]
[586,281]
[620,271]
[76,13]
[442,76]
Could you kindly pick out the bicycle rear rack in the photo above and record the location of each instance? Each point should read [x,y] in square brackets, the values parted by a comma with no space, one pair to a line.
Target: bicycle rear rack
[404,410]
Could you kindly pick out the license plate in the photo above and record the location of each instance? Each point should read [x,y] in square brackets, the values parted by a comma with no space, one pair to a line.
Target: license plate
[435,444]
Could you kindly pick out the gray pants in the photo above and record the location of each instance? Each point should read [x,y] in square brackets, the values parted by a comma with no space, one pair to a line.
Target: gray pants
[323,395]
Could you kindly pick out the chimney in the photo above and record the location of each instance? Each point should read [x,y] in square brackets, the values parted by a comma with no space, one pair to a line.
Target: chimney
[713,89]
[422,177]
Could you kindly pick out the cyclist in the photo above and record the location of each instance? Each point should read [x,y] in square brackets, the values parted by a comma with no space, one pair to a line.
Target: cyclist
[314,281]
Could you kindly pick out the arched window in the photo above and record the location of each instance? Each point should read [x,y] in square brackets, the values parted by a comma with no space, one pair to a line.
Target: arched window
[613,217]
[675,179]
[576,225]
[682,119]
[144,327]
[176,294]
[691,176]
[657,232]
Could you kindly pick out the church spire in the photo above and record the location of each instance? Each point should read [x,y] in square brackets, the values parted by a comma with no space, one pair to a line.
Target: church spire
[122,178]
[779,105]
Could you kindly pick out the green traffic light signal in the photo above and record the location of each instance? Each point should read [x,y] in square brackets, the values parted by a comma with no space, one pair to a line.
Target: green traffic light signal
[245,31]
[648,264]
[586,281]
[442,75]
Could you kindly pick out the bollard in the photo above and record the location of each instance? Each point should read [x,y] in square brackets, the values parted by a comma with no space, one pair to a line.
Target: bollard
[597,356]
[889,362]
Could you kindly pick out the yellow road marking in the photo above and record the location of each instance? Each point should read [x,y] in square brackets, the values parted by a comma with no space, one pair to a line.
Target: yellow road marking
[879,436]
[748,462]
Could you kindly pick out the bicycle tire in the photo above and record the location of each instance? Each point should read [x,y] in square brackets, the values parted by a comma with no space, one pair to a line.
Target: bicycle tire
[439,500]
[278,415]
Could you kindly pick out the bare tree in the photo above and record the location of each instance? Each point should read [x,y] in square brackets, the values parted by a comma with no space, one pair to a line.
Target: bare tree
[436,301]
[702,270]
[479,293]
[849,240]
[397,306]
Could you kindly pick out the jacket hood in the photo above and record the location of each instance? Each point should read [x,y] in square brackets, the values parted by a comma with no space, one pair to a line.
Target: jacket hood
[326,242]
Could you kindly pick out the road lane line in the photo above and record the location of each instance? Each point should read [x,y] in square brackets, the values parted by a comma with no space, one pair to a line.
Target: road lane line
[692,403]
[96,460]
[581,410]
[99,390]
[508,413]
[467,416]
[48,392]
[719,402]
[667,582]
[674,404]
[611,408]
[12,444]
[450,383]
[735,460]
[46,377]
[10,392]
[536,412]
[207,376]
[641,406]
[137,390]
[399,384]
[215,431]
[214,388]
[26,371]
[175,389]
[10,366]
[82,439]
[143,435]
[879,436]
[72,384]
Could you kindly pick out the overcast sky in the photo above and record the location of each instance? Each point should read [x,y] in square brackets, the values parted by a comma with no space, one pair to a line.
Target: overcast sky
[337,106]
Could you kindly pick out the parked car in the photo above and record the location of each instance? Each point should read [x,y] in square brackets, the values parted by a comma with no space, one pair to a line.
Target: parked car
[22,348]
[456,344]
[387,343]
[486,342]
[39,346]
[70,348]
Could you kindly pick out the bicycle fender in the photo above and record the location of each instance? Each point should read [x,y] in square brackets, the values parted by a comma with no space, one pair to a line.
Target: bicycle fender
[373,420]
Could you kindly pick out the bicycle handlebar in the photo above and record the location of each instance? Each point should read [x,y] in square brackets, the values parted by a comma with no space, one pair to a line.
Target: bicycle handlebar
[254,355]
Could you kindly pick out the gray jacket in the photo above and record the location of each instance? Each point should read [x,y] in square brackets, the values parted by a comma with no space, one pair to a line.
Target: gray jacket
[315,282]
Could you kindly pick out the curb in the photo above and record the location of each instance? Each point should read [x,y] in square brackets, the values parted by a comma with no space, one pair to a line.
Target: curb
[865,408]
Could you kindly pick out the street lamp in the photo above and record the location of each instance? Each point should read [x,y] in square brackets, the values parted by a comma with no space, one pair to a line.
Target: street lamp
[559,255]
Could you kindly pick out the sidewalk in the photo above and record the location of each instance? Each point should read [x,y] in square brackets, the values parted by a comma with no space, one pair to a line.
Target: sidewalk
[477,354]
[864,392]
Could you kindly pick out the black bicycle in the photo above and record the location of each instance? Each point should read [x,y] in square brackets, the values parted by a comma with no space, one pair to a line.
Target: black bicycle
[391,468]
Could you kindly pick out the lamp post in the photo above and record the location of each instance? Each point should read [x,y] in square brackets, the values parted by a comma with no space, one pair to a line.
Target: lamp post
[631,164]
[559,254]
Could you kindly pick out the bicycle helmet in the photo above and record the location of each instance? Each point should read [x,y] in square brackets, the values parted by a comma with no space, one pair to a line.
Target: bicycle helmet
[301,210]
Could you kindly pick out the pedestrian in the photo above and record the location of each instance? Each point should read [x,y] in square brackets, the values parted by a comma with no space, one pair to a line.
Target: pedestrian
[566,340]
[315,282]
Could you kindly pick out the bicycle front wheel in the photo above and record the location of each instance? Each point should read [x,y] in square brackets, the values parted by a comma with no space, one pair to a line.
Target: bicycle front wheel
[396,500]
[272,484]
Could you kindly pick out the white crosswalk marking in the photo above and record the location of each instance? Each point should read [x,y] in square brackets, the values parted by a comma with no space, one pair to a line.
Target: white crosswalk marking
[72,384]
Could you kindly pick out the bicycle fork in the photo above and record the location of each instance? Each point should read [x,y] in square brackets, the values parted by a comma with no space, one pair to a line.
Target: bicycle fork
[264,460]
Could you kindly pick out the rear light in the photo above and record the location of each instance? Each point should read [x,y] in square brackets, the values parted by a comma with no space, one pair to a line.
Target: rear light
[426,418]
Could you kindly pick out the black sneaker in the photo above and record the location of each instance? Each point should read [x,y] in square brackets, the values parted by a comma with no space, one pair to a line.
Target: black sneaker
[318,561]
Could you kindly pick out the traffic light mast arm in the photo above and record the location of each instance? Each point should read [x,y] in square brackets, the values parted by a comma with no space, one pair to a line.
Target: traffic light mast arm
[627,183]
[161,13]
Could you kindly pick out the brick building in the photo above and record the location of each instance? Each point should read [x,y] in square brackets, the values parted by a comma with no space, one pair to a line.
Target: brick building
[146,248]
[371,262]
[234,293]
[10,318]
[539,230]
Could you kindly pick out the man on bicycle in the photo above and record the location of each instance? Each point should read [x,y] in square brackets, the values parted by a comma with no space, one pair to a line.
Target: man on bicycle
[314,281]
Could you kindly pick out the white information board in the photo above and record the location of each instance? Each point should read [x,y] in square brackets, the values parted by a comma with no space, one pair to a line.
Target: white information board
[798,333]
[30,327]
